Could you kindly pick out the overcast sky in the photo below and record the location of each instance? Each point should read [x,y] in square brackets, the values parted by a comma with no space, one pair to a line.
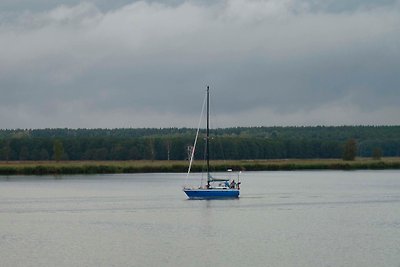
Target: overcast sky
[127,63]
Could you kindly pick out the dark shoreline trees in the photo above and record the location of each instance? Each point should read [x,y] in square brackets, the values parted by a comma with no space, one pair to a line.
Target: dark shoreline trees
[172,143]
[350,150]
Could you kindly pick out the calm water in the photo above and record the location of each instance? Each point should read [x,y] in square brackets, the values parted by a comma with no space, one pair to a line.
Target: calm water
[323,218]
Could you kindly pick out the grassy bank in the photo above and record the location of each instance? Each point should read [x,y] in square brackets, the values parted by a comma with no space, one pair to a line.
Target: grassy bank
[94,167]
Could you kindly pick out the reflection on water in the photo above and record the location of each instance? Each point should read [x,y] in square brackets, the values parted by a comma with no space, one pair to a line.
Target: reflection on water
[323,218]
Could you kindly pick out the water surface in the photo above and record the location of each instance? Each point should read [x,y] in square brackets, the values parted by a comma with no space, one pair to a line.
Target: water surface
[320,218]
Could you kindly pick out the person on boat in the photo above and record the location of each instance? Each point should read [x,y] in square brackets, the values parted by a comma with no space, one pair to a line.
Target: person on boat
[227,184]
[233,184]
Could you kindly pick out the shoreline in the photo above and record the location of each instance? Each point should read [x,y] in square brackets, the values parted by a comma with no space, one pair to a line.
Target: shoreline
[110,167]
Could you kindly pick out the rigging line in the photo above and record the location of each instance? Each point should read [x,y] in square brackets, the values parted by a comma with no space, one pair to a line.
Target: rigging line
[195,140]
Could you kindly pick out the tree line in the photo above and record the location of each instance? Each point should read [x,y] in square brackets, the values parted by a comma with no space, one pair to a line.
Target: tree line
[175,143]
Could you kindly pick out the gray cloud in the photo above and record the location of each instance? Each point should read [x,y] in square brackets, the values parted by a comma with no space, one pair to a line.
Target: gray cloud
[146,64]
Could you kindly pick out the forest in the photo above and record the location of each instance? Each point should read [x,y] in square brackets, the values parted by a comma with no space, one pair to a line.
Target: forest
[238,143]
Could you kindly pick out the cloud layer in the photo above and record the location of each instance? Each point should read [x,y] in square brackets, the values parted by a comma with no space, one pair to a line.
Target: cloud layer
[146,63]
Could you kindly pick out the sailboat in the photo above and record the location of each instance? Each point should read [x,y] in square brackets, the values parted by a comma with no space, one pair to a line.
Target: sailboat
[215,188]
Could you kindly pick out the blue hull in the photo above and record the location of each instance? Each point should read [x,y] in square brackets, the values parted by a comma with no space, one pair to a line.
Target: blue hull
[211,193]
